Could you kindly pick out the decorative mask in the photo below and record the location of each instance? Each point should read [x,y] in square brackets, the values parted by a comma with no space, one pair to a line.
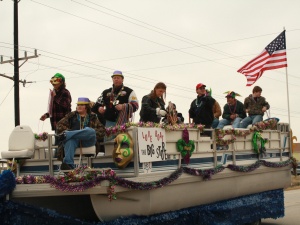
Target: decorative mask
[123,150]
[57,79]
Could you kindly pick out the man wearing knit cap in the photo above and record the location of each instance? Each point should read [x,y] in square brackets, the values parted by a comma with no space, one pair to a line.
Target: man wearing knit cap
[117,103]
[77,129]
[233,112]
[59,103]
[201,109]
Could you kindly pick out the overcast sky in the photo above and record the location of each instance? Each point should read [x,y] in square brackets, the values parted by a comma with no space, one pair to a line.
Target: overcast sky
[179,42]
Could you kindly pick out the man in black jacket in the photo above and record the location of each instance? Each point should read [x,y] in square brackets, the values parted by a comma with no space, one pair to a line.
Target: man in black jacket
[233,112]
[117,103]
[201,109]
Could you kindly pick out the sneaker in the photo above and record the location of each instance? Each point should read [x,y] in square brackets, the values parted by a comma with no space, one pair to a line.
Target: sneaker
[61,137]
[65,166]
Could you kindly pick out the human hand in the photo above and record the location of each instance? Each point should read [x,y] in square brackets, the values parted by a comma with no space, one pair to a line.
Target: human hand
[162,112]
[43,117]
[53,93]
[119,107]
[264,109]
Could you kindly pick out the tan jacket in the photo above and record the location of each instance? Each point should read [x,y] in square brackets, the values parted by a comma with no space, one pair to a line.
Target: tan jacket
[217,110]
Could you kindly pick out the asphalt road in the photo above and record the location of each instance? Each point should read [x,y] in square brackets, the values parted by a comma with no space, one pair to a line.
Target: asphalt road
[292,210]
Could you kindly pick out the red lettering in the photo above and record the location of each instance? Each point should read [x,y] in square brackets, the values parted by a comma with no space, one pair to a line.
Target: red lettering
[147,136]
[159,136]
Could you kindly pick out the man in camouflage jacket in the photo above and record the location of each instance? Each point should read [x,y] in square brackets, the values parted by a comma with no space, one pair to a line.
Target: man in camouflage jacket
[255,105]
[79,128]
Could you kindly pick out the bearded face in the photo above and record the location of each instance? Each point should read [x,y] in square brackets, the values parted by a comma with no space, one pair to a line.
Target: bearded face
[123,150]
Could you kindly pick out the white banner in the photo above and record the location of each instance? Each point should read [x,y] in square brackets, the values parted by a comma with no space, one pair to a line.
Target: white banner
[152,144]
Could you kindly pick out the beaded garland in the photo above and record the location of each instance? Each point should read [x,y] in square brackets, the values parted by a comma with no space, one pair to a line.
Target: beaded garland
[270,124]
[88,180]
[168,127]
[206,174]
[259,126]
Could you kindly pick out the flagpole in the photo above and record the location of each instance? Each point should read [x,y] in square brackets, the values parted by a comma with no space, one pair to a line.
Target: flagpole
[287,92]
[288,98]
[288,103]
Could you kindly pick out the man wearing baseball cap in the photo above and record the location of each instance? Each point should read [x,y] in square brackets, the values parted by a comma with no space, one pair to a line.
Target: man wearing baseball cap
[201,109]
[118,103]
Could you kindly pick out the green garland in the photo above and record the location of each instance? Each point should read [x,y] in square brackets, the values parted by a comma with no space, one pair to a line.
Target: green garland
[257,137]
[184,147]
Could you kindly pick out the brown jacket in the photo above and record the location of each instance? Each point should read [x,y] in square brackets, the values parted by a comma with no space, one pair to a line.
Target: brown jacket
[217,110]
[65,123]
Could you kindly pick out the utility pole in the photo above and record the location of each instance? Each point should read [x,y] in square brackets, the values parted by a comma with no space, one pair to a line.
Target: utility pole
[16,64]
[24,82]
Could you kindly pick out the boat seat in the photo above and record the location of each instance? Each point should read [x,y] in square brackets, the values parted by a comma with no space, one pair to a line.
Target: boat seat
[20,145]
[87,152]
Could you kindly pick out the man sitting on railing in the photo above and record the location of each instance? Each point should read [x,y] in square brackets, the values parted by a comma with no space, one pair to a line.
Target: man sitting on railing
[233,112]
[78,129]
[255,105]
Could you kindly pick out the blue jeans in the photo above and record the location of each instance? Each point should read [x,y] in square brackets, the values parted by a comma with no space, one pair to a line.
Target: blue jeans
[224,122]
[250,120]
[215,123]
[87,136]
[110,123]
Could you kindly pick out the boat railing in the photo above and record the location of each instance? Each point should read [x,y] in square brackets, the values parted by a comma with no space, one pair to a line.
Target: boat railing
[206,154]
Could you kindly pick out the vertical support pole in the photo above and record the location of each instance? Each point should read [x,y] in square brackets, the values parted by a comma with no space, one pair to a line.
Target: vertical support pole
[16,64]
[50,155]
[136,164]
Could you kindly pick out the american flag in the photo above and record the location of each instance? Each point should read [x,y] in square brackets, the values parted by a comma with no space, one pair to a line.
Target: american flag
[272,57]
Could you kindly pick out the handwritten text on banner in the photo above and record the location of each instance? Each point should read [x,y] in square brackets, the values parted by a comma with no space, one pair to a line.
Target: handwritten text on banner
[152,144]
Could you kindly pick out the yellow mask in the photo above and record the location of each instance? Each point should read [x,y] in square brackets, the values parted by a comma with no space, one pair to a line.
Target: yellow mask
[55,80]
[123,150]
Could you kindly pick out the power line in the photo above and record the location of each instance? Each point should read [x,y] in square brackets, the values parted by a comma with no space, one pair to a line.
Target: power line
[163,45]
[6,95]
[107,68]
[184,39]
[173,49]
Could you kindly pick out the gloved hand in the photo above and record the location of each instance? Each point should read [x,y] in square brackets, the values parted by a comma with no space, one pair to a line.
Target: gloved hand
[160,112]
